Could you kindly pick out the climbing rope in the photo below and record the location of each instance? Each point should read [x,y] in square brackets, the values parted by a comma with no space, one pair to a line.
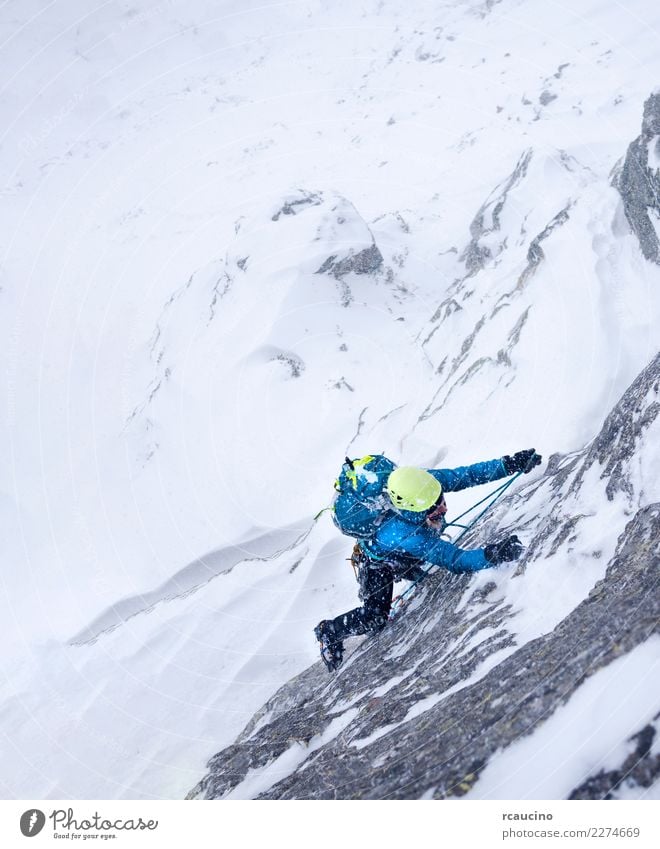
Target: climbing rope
[492,497]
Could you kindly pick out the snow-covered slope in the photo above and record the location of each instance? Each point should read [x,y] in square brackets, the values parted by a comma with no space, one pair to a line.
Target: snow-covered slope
[238,243]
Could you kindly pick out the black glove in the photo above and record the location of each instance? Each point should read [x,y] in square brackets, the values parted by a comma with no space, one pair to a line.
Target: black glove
[507,549]
[521,461]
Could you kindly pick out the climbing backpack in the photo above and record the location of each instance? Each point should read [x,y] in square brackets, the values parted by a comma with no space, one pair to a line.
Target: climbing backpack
[361,501]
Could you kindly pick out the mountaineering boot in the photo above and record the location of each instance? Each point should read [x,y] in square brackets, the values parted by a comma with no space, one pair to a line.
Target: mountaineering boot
[332,649]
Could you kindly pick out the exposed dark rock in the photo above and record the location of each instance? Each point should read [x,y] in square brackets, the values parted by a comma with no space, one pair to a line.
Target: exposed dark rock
[366,261]
[546,97]
[291,207]
[615,445]
[535,253]
[639,185]
[639,769]
[487,220]
[221,286]
[294,363]
[428,730]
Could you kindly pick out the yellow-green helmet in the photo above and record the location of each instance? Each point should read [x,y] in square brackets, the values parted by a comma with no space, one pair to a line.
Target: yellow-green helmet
[413,489]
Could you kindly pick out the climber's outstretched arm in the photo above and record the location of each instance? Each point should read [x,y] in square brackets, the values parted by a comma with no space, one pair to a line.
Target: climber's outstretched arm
[463,477]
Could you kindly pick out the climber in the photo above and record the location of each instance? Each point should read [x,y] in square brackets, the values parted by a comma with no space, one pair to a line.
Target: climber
[398,516]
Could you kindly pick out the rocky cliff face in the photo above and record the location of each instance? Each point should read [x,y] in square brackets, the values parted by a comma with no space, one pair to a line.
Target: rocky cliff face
[639,181]
[421,709]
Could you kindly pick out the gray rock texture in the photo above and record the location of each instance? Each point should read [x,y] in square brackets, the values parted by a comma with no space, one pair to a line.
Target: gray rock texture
[422,707]
[640,768]
[293,206]
[487,220]
[639,183]
[366,261]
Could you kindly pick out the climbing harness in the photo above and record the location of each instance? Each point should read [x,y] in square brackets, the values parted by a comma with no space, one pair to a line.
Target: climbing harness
[399,601]
[356,560]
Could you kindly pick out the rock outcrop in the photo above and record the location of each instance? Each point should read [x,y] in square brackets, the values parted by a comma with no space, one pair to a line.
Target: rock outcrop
[641,767]
[639,181]
[366,261]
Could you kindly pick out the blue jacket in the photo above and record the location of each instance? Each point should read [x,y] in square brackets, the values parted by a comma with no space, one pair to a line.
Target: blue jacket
[406,533]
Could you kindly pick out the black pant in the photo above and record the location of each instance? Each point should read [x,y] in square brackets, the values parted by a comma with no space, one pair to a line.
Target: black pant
[376,588]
